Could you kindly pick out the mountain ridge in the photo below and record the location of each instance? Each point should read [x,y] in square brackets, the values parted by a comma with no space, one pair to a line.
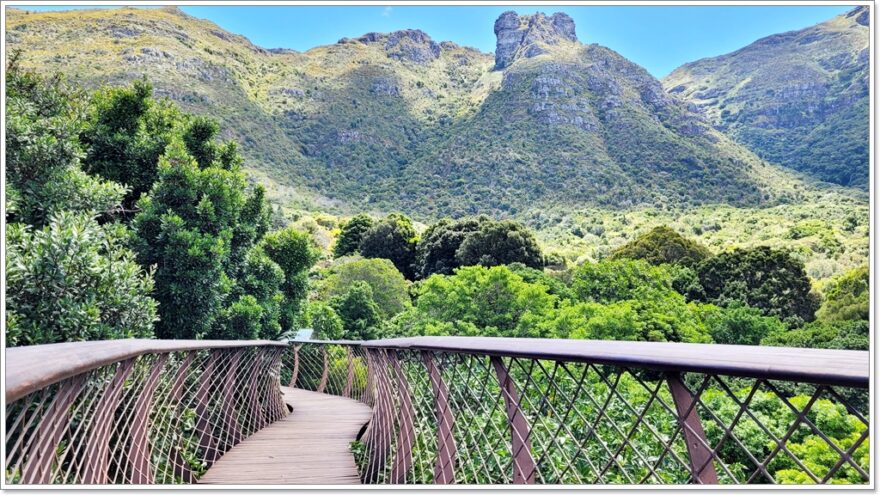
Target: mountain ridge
[397,120]
[799,98]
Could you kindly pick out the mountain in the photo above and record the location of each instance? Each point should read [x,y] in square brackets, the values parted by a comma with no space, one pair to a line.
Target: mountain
[398,121]
[799,99]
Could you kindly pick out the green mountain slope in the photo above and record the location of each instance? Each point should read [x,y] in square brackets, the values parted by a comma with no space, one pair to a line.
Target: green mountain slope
[799,99]
[400,121]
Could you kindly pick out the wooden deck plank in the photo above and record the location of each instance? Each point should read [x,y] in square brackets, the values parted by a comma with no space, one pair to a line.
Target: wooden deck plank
[309,446]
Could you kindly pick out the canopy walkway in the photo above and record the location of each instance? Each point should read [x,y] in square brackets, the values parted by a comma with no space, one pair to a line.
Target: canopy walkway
[434,410]
[310,446]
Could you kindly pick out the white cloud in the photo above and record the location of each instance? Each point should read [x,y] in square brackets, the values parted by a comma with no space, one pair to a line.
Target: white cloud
[386,11]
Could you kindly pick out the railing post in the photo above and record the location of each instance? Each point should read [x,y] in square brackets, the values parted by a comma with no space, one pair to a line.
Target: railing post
[699,454]
[180,465]
[350,380]
[403,456]
[139,447]
[444,469]
[326,373]
[295,371]
[37,469]
[524,468]
[98,443]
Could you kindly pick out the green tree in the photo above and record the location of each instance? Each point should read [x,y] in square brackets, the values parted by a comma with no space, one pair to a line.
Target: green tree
[437,248]
[618,280]
[769,279]
[44,117]
[500,243]
[390,289]
[652,316]
[846,297]
[477,301]
[358,311]
[295,253]
[663,245]
[739,324]
[74,280]
[185,228]
[323,320]
[260,282]
[852,335]
[127,131]
[351,234]
[392,238]
[555,285]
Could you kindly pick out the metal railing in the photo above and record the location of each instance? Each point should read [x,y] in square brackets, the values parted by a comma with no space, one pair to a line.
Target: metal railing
[134,411]
[447,409]
[497,410]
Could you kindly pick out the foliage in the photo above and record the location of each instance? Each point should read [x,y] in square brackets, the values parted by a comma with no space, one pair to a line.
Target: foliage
[43,119]
[186,228]
[846,296]
[438,245]
[500,243]
[654,317]
[390,289]
[554,283]
[663,245]
[358,311]
[477,301]
[853,335]
[618,280]
[127,132]
[74,280]
[771,280]
[350,236]
[392,238]
[738,324]
[295,254]
[323,320]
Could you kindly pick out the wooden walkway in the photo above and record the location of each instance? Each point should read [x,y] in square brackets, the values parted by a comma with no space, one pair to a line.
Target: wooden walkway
[308,447]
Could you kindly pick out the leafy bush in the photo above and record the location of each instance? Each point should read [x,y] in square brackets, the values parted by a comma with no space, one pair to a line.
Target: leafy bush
[846,297]
[351,235]
[740,324]
[360,315]
[500,243]
[43,119]
[771,280]
[618,280]
[437,248]
[663,245]
[477,301]
[392,238]
[853,335]
[74,280]
[390,289]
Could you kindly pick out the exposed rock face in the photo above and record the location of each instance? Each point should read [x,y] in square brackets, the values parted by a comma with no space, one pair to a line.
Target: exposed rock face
[525,35]
[410,45]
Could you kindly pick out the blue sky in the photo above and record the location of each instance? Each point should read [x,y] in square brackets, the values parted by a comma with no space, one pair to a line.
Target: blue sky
[660,38]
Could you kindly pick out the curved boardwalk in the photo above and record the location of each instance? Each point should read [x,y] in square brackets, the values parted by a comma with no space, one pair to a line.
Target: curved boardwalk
[308,447]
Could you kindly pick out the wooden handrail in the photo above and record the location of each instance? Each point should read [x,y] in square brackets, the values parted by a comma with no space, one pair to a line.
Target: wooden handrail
[31,368]
[818,366]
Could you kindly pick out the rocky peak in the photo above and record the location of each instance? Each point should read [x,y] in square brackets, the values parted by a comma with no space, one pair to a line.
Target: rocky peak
[411,45]
[861,14]
[527,35]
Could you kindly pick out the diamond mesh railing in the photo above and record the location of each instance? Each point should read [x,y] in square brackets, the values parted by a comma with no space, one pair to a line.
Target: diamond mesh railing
[495,410]
[134,411]
[447,410]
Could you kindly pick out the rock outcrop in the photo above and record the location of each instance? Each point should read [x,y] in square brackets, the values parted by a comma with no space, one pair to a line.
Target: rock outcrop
[527,35]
